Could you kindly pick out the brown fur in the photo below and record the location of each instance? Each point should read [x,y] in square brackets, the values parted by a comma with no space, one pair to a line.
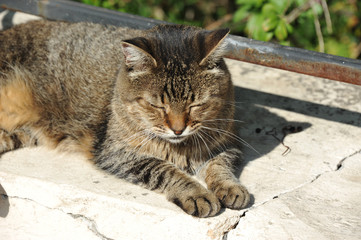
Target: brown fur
[152,109]
[16,103]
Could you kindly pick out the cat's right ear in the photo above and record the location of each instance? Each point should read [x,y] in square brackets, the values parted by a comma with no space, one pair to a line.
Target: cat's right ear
[213,44]
[137,54]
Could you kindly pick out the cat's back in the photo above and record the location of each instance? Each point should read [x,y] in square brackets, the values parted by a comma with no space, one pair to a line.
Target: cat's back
[22,41]
[62,45]
[70,68]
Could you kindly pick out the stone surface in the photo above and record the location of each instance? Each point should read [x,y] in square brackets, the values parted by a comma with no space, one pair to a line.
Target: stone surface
[10,18]
[45,191]
[310,191]
[326,208]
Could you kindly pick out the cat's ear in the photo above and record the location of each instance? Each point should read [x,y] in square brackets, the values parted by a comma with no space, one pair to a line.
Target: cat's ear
[213,44]
[137,54]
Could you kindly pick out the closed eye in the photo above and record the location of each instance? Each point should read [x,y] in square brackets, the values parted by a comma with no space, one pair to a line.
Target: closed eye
[196,107]
[158,107]
[145,104]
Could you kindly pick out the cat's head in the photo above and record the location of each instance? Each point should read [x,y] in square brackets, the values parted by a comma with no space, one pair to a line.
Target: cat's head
[174,82]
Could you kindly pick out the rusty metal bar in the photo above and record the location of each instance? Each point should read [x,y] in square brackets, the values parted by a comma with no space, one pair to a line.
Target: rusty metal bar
[239,48]
[295,59]
[77,12]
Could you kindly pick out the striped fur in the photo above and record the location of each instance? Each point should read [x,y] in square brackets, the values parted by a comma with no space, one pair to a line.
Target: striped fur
[153,107]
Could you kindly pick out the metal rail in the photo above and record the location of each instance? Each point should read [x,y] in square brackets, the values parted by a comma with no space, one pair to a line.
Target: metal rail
[239,48]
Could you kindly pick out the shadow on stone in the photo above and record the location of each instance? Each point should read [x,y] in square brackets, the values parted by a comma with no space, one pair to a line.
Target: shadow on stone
[335,114]
[263,130]
[4,203]
[7,19]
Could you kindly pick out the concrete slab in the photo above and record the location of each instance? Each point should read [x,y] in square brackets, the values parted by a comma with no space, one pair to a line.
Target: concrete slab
[310,191]
[44,190]
[326,208]
[9,18]
[309,178]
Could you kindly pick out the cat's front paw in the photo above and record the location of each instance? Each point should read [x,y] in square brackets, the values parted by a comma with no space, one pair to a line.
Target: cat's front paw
[7,143]
[232,195]
[197,202]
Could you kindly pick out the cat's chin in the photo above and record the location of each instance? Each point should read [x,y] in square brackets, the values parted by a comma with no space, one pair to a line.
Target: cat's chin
[176,140]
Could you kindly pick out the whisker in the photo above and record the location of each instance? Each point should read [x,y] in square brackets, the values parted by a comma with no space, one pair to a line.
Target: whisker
[219,147]
[134,136]
[148,137]
[198,146]
[233,136]
[235,104]
[205,144]
[223,119]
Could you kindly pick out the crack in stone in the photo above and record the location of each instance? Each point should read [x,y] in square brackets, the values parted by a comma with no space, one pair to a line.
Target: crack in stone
[91,223]
[92,226]
[338,167]
[267,201]
[340,164]
[225,234]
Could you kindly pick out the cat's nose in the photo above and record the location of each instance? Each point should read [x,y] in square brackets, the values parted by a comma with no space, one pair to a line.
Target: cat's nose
[178,132]
[177,123]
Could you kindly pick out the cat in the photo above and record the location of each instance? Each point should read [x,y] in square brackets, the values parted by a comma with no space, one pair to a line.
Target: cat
[151,106]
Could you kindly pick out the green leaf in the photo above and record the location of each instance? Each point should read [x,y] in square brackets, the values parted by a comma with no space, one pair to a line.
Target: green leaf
[289,28]
[254,23]
[255,30]
[281,5]
[269,8]
[268,36]
[270,23]
[300,2]
[334,47]
[281,31]
[286,43]
[241,2]
[258,3]
[255,3]
[241,14]
[261,35]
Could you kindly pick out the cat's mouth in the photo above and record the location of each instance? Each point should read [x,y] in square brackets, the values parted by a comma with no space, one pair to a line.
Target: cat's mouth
[176,139]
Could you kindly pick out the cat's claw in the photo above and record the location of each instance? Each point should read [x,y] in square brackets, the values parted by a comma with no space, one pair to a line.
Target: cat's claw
[233,196]
[202,204]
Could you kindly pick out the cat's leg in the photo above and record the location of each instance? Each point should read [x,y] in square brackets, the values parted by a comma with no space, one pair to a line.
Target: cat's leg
[189,194]
[179,187]
[16,139]
[219,177]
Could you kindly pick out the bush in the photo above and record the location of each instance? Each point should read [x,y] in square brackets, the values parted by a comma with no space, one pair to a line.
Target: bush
[333,27]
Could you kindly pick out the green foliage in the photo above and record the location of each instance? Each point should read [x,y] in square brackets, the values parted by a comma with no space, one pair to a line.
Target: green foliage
[332,26]
[193,12]
[303,23]
[264,19]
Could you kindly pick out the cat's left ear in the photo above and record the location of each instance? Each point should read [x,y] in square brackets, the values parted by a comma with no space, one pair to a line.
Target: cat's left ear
[137,54]
[213,44]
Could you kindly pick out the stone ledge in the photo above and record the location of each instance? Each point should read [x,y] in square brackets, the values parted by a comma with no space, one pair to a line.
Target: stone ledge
[46,191]
[325,208]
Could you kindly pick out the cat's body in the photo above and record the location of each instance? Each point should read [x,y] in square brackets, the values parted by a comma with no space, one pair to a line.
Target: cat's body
[150,109]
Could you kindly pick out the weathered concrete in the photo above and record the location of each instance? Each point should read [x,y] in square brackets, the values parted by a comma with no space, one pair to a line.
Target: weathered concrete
[51,195]
[312,191]
[9,18]
[325,208]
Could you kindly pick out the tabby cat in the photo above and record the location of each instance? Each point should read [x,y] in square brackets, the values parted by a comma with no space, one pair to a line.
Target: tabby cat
[154,109]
